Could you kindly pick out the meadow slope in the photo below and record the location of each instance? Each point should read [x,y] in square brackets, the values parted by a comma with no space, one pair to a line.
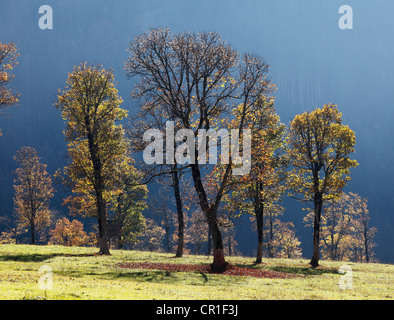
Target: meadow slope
[78,273]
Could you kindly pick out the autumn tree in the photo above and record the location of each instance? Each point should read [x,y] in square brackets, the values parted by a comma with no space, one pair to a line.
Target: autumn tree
[196,80]
[97,148]
[126,222]
[165,174]
[363,227]
[197,231]
[33,192]
[319,152]
[258,192]
[9,236]
[152,238]
[69,233]
[285,243]
[273,211]
[346,233]
[8,55]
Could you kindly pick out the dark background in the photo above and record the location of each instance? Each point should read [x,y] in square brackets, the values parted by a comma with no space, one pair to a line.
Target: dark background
[313,62]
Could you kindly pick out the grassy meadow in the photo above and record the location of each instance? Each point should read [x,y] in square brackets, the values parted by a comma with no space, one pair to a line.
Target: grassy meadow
[78,273]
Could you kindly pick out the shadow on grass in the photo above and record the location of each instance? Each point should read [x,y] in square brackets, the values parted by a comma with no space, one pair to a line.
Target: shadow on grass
[306,271]
[37,257]
[153,276]
[298,270]
[147,275]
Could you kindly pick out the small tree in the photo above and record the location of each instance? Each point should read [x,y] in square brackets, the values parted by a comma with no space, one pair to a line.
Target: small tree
[285,242]
[319,149]
[363,227]
[198,231]
[127,222]
[33,191]
[345,230]
[152,238]
[68,233]
[258,192]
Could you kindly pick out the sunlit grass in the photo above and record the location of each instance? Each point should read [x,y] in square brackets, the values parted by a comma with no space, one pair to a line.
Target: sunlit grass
[80,274]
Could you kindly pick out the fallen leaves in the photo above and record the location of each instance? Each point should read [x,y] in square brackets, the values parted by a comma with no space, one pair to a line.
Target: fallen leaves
[231,270]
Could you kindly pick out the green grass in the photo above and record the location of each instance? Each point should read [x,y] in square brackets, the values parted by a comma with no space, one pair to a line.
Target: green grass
[80,274]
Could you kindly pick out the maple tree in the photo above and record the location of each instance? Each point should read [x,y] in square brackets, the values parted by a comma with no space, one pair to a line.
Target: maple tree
[363,227]
[284,243]
[196,79]
[166,174]
[319,152]
[198,231]
[258,192]
[70,233]
[126,222]
[152,237]
[345,229]
[33,191]
[273,211]
[8,55]
[97,147]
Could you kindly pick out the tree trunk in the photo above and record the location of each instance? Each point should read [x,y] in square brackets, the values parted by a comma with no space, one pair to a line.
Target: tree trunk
[33,233]
[219,264]
[260,229]
[271,237]
[317,201]
[366,243]
[99,189]
[209,243]
[102,224]
[181,225]
[119,244]
[166,225]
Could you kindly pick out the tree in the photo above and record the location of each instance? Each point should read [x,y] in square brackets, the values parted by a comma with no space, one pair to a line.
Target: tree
[345,230]
[128,222]
[152,237]
[363,226]
[196,80]
[97,148]
[285,243]
[258,192]
[319,149]
[166,174]
[8,55]
[68,233]
[271,221]
[33,191]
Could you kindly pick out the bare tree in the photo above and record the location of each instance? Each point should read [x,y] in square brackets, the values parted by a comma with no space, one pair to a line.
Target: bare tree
[196,80]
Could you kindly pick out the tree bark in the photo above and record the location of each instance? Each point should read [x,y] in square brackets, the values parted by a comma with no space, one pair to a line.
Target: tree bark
[99,189]
[260,229]
[209,243]
[219,264]
[230,246]
[317,201]
[366,243]
[33,233]
[102,224]
[181,224]
[271,237]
